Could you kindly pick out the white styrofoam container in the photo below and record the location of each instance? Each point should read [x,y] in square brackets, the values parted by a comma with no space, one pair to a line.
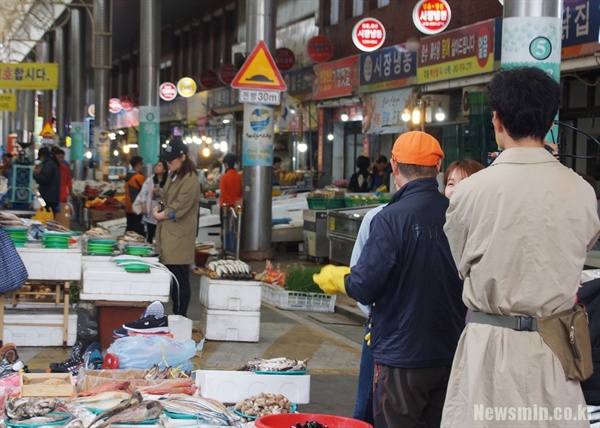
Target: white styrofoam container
[180,327]
[230,326]
[52,264]
[107,279]
[210,233]
[235,386]
[122,297]
[229,295]
[39,331]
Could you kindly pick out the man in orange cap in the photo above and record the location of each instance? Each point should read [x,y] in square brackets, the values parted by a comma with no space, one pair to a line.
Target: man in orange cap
[406,272]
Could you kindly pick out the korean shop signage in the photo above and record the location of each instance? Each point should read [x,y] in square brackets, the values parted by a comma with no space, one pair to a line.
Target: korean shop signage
[368,34]
[463,52]
[336,79]
[391,67]
[29,75]
[431,16]
[580,27]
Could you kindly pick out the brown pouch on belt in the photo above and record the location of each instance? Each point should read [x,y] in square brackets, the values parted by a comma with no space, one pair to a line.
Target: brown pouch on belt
[567,333]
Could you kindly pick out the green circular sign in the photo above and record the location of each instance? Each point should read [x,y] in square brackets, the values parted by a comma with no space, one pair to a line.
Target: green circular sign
[540,48]
[150,117]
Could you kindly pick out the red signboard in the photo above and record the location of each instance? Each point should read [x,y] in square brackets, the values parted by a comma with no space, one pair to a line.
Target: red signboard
[167,91]
[285,59]
[209,79]
[319,49]
[368,34]
[114,105]
[127,103]
[431,16]
[227,73]
[336,79]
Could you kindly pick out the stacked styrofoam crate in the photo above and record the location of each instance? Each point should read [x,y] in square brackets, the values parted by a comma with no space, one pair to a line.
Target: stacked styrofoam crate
[230,309]
[38,327]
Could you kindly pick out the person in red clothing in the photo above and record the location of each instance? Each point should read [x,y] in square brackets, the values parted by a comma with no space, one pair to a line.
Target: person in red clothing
[231,182]
[134,180]
[66,180]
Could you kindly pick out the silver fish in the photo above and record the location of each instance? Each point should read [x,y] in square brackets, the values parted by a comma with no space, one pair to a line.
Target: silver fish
[135,399]
[140,412]
[41,420]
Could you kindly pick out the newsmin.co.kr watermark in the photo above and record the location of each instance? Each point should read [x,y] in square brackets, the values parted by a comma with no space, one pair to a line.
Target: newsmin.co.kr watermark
[529,413]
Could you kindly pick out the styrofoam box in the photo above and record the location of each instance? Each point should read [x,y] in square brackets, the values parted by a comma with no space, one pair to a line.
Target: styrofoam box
[230,326]
[111,282]
[235,386]
[52,264]
[210,233]
[38,332]
[180,327]
[229,295]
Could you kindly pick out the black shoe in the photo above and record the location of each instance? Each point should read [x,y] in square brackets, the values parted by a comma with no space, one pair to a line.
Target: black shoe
[77,360]
[149,324]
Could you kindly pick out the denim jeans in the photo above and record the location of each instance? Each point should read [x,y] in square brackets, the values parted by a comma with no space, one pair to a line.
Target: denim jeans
[363,409]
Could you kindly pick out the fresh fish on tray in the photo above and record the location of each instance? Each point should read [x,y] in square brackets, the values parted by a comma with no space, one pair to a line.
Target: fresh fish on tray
[211,411]
[144,411]
[41,420]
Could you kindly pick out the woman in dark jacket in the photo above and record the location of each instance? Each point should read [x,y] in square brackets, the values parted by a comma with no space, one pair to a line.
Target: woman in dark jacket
[47,175]
[362,180]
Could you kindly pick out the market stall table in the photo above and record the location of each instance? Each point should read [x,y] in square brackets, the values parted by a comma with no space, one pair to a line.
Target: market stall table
[53,267]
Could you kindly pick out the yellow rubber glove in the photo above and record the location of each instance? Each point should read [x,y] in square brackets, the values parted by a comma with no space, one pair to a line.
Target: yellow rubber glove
[368,336]
[331,279]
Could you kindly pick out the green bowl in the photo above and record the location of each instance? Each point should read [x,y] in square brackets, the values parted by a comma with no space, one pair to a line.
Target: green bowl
[100,246]
[57,246]
[102,242]
[136,268]
[16,229]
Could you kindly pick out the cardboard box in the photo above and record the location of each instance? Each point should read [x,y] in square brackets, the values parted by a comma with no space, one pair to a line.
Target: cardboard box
[230,326]
[230,295]
[47,385]
[235,386]
[96,216]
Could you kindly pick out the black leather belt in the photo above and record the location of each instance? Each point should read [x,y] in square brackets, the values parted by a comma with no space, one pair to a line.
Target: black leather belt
[518,322]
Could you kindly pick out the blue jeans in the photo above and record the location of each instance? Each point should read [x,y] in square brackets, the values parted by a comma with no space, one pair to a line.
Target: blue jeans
[363,409]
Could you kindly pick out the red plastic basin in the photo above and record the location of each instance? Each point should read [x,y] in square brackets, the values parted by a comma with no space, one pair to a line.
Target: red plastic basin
[288,420]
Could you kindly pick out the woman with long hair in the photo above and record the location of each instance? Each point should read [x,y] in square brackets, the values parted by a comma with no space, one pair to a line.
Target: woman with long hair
[177,221]
[151,194]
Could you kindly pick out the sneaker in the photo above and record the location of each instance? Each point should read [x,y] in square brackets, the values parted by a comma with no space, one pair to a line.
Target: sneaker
[155,309]
[150,324]
[70,365]
[9,352]
[77,360]
[121,332]
[93,360]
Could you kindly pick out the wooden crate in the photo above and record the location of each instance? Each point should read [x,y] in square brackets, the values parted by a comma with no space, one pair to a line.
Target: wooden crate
[47,385]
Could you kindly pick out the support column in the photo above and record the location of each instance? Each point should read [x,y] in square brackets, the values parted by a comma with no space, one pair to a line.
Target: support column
[60,95]
[257,191]
[76,87]
[102,53]
[43,55]
[150,31]
[25,122]
[531,36]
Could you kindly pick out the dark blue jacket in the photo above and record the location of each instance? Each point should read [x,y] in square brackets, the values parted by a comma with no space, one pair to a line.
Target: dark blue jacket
[406,269]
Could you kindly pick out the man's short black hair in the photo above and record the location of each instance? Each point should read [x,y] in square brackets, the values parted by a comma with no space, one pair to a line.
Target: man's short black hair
[135,161]
[276,159]
[363,162]
[381,159]
[526,100]
[230,159]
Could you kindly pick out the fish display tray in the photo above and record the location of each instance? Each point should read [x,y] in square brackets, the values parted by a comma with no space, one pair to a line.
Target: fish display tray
[230,386]
[52,264]
[297,300]
[229,295]
[32,385]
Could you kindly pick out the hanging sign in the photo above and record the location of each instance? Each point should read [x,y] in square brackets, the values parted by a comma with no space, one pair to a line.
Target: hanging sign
[259,72]
[167,91]
[319,49]
[127,103]
[8,102]
[29,75]
[114,105]
[186,87]
[368,34]
[47,131]
[285,59]
[208,79]
[431,16]
[336,79]
[227,73]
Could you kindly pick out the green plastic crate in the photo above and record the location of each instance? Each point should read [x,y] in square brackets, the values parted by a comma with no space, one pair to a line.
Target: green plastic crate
[325,203]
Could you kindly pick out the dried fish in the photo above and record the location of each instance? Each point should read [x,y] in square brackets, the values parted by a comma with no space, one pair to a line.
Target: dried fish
[279,364]
[20,408]
[135,399]
[211,411]
[41,420]
[140,412]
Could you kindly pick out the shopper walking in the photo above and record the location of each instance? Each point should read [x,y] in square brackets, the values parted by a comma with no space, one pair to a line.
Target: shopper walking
[406,272]
[177,221]
[47,175]
[150,196]
[134,180]
[519,234]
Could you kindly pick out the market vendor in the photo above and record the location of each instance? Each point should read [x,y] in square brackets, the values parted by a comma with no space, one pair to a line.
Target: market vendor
[231,182]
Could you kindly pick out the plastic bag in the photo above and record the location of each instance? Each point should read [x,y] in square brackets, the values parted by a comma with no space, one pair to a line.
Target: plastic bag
[142,352]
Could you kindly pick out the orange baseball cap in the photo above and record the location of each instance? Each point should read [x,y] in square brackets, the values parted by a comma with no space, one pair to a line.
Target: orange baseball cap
[417,148]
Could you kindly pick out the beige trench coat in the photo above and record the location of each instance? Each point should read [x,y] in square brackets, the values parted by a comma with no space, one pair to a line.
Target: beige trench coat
[519,232]
[176,238]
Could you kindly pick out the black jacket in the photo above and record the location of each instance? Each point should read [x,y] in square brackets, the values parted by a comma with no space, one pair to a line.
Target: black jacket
[49,182]
[406,269]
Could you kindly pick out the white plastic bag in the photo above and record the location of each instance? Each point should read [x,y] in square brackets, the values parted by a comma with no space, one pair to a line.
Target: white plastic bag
[142,352]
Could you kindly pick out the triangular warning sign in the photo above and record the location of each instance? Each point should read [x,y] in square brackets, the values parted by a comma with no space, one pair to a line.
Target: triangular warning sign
[259,72]
[47,131]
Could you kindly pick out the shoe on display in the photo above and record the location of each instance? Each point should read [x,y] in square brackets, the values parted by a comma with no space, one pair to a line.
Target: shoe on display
[93,360]
[121,332]
[156,309]
[77,359]
[9,352]
[150,324]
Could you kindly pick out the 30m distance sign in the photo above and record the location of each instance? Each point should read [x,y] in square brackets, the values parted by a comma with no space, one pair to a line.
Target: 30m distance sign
[260,96]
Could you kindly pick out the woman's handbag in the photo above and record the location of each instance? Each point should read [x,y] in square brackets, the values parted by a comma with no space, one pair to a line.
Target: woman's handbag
[137,205]
[568,335]
[14,273]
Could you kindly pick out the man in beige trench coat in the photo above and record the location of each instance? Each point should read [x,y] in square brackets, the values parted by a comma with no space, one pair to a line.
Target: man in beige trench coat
[519,232]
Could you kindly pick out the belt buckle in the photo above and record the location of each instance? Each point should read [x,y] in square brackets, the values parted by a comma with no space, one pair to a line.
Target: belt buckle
[524,323]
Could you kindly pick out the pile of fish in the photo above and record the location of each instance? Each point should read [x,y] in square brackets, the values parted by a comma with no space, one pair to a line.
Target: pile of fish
[170,386]
[207,410]
[130,410]
[264,404]
[10,220]
[98,232]
[280,364]
[131,237]
[33,411]
[155,373]
[231,269]
[54,226]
